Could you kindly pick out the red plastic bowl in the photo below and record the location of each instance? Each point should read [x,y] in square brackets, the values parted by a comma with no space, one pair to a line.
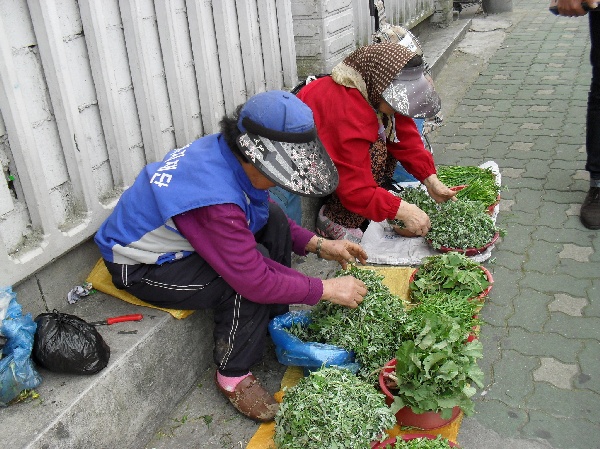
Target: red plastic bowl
[468,251]
[407,437]
[481,296]
[405,416]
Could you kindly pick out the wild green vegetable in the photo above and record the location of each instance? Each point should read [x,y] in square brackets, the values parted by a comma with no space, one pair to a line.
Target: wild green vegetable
[463,310]
[331,408]
[422,443]
[452,273]
[461,224]
[419,198]
[434,372]
[480,182]
[373,330]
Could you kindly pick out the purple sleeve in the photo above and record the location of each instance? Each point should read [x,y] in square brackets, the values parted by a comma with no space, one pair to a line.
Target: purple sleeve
[300,237]
[220,235]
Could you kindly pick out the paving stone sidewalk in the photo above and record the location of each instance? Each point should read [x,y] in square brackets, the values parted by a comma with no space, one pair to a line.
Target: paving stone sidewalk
[526,111]
[514,92]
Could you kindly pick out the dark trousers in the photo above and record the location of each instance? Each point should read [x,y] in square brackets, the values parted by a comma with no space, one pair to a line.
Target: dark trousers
[240,330]
[593,108]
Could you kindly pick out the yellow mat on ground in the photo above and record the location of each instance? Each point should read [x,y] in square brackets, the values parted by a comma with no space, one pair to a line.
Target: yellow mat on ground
[397,279]
[101,280]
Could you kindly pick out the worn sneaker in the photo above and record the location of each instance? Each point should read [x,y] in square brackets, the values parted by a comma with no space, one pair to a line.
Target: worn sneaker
[332,230]
[590,209]
[251,399]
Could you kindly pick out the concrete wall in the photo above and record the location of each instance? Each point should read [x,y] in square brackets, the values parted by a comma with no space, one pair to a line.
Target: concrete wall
[91,91]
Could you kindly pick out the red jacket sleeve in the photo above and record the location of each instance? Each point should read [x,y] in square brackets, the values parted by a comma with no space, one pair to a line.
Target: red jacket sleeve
[409,149]
[347,125]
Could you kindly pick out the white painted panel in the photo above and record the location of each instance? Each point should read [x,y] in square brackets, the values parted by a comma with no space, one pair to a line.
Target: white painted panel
[70,84]
[270,44]
[286,43]
[179,67]
[6,200]
[147,70]
[230,57]
[108,59]
[251,48]
[206,60]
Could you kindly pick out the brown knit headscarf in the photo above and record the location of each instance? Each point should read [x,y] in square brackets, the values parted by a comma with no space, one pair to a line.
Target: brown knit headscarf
[371,69]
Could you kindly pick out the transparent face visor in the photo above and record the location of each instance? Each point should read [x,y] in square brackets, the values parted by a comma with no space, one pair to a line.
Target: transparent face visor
[412,94]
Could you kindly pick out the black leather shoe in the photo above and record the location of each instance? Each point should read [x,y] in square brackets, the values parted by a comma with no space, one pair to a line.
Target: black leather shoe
[590,209]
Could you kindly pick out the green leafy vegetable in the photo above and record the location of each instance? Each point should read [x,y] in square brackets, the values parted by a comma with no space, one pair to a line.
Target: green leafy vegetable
[434,371]
[331,408]
[419,198]
[480,182]
[422,443]
[461,224]
[441,303]
[373,330]
[452,273]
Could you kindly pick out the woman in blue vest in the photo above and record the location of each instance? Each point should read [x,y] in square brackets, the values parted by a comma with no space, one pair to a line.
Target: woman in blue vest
[197,231]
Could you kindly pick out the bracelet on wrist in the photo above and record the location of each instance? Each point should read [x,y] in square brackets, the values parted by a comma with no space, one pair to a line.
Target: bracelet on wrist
[319,244]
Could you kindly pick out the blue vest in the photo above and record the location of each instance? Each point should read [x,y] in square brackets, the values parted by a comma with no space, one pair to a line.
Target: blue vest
[203,173]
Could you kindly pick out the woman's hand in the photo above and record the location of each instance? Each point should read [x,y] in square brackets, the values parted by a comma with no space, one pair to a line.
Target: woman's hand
[345,291]
[414,219]
[343,251]
[573,8]
[438,190]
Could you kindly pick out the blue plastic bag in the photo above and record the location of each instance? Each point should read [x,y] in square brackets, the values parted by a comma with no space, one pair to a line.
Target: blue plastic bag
[17,370]
[311,356]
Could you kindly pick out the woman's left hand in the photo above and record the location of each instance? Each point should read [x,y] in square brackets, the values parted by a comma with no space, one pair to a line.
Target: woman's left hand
[438,190]
[343,251]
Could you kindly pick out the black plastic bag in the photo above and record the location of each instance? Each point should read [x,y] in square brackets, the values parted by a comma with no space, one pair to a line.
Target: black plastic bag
[65,343]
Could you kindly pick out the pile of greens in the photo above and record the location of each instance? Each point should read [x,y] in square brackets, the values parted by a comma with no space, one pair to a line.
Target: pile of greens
[421,443]
[461,224]
[419,198]
[373,331]
[480,182]
[451,273]
[464,311]
[435,370]
[331,408]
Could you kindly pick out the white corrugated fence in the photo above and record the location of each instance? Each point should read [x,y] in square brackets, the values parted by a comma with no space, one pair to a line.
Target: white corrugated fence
[92,90]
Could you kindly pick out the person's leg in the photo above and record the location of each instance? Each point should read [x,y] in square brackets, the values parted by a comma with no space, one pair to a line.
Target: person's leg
[240,330]
[191,283]
[590,209]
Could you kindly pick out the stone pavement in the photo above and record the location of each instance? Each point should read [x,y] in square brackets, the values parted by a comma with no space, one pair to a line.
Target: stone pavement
[526,111]
[514,91]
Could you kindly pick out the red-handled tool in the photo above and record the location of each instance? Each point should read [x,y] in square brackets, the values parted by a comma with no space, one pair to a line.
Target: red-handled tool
[119,319]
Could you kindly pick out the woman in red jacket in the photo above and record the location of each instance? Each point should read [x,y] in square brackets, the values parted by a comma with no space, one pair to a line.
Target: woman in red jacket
[363,113]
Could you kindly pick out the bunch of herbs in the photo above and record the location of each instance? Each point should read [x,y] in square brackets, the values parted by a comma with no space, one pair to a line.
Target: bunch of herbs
[461,224]
[452,273]
[480,183]
[421,443]
[373,330]
[331,408]
[435,370]
[463,310]
[419,198]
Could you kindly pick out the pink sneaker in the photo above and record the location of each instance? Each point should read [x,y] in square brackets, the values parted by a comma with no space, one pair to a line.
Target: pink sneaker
[332,230]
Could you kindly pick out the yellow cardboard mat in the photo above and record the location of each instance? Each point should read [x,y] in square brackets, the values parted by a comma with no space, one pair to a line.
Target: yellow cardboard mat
[397,279]
[101,280]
